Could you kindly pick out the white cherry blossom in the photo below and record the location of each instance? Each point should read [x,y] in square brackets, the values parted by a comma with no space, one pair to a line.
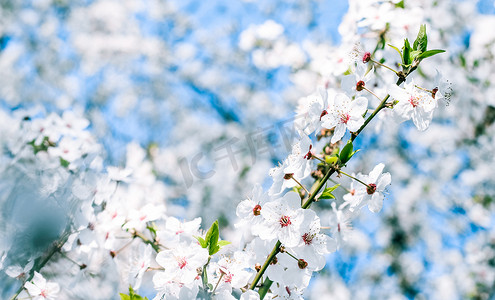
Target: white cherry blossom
[41,289]
[353,85]
[297,165]
[139,262]
[249,210]
[250,295]
[345,114]
[182,261]
[414,104]
[315,246]
[372,194]
[311,109]
[285,220]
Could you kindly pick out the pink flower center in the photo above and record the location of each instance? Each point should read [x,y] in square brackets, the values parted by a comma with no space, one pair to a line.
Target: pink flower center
[257,210]
[366,57]
[228,278]
[302,264]
[371,188]
[344,118]
[434,92]
[414,101]
[182,262]
[323,113]
[43,293]
[309,154]
[285,221]
[308,238]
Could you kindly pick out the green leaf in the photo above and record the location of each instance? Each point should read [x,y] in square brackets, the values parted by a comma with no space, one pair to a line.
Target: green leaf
[152,229]
[462,58]
[406,53]
[348,71]
[331,159]
[421,41]
[327,193]
[352,154]
[212,238]
[346,152]
[223,243]
[396,49]
[124,297]
[214,250]
[201,241]
[414,54]
[132,295]
[429,53]
[400,4]
[64,163]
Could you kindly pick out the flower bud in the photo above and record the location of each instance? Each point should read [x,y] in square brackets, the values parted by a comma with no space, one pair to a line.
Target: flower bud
[366,57]
[302,264]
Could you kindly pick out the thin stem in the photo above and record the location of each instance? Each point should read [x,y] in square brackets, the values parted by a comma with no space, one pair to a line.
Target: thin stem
[292,256]
[204,275]
[123,247]
[365,88]
[340,172]
[382,65]
[218,282]
[154,269]
[153,244]
[300,184]
[314,156]
[373,114]
[71,260]
[421,88]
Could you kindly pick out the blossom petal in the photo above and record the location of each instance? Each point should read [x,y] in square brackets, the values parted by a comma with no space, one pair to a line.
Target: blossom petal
[383,182]
[359,106]
[338,133]
[376,202]
[377,170]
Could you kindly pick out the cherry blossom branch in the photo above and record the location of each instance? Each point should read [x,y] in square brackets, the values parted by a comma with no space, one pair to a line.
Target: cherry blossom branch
[268,260]
[379,107]
[322,182]
[57,246]
[153,244]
